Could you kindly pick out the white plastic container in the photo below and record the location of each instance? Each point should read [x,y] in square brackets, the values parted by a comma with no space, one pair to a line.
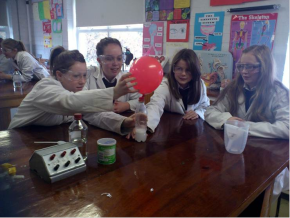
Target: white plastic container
[235,136]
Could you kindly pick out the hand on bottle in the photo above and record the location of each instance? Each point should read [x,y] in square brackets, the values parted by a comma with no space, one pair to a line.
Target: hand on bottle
[120,107]
[235,118]
[131,134]
[190,115]
[123,86]
[129,122]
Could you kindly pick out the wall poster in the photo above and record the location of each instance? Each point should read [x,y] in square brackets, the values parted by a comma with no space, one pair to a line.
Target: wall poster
[163,10]
[153,38]
[251,29]
[208,31]
[177,31]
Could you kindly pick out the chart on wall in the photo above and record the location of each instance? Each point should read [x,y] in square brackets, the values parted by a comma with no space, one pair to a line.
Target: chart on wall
[153,38]
[252,29]
[163,10]
[208,31]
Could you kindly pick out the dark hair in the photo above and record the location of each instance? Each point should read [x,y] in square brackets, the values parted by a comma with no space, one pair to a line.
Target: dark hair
[13,44]
[64,60]
[53,54]
[104,43]
[266,84]
[189,56]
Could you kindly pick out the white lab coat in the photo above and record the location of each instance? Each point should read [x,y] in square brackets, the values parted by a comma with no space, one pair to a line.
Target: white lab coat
[6,65]
[95,81]
[162,100]
[50,104]
[217,115]
[29,67]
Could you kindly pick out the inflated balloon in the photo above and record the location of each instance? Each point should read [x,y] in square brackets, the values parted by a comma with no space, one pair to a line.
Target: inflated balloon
[148,73]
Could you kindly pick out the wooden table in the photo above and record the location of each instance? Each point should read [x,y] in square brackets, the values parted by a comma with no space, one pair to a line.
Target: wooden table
[10,98]
[182,170]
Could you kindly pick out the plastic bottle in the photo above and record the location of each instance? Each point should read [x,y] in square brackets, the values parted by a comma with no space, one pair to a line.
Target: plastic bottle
[17,83]
[141,121]
[78,131]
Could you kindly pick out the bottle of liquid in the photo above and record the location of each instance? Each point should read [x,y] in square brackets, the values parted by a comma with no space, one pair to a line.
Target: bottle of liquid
[78,134]
[17,83]
[141,121]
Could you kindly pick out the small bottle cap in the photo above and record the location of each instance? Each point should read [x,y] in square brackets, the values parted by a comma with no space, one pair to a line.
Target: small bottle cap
[78,116]
[141,98]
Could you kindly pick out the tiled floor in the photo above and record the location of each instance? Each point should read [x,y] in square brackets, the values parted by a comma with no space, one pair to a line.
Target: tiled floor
[284,208]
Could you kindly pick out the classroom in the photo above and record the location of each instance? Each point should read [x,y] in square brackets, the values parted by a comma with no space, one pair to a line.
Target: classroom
[144,108]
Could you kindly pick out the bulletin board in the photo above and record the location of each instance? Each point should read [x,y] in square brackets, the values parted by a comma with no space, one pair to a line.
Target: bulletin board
[163,10]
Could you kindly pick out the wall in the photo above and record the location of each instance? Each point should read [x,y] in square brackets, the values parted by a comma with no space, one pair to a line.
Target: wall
[282,28]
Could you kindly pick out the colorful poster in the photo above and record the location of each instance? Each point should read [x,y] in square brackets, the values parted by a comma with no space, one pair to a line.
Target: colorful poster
[47,40]
[252,29]
[230,2]
[35,11]
[208,31]
[46,26]
[57,26]
[153,38]
[163,10]
[52,10]
[177,31]
[41,11]
[59,10]
[46,10]
[216,68]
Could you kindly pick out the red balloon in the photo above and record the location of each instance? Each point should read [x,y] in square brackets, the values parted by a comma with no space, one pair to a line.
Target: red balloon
[148,73]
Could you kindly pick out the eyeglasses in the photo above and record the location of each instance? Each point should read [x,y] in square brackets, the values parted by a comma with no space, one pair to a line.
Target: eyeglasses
[74,76]
[179,70]
[109,59]
[4,50]
[248,67]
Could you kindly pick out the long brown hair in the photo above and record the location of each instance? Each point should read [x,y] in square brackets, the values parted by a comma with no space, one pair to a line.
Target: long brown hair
[13,44]
[190,57]
[264,89]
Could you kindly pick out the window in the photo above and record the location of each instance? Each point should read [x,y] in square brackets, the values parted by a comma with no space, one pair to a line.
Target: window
[130,36]
[286,68]
[3,32]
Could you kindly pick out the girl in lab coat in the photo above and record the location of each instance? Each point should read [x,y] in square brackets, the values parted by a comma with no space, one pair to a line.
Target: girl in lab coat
[23,61]
[55,99]
[181,92]
[110,58]
[254,96]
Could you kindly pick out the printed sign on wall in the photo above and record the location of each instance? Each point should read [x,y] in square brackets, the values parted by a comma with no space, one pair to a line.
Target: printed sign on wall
[208,31]
[153,38]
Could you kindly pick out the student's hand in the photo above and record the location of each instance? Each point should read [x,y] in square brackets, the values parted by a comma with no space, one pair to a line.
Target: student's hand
[123,86]
[235,118]
[131,134]
[5,76]
[120,107]
[129,122]
[190,115]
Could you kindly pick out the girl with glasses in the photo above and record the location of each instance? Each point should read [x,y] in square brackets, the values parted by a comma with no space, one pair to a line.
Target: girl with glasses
[110,58]
[54,100]
[254,96]
[182,91]
[23,61]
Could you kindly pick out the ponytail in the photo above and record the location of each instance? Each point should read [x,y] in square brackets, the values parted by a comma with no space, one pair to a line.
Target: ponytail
[13,44]
[53,54]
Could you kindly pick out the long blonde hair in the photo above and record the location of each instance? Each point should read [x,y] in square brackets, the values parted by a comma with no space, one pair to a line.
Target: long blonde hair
[264,89]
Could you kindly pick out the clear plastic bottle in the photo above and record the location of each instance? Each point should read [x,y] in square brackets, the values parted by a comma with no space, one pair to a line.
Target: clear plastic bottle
[78,131]
[17,83]
[141,121]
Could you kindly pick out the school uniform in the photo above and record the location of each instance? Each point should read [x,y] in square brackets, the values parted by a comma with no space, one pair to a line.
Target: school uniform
[278,106]
[29,67]
[108,120]
[50,104]
[6,65]
[162,100]
[96,81]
